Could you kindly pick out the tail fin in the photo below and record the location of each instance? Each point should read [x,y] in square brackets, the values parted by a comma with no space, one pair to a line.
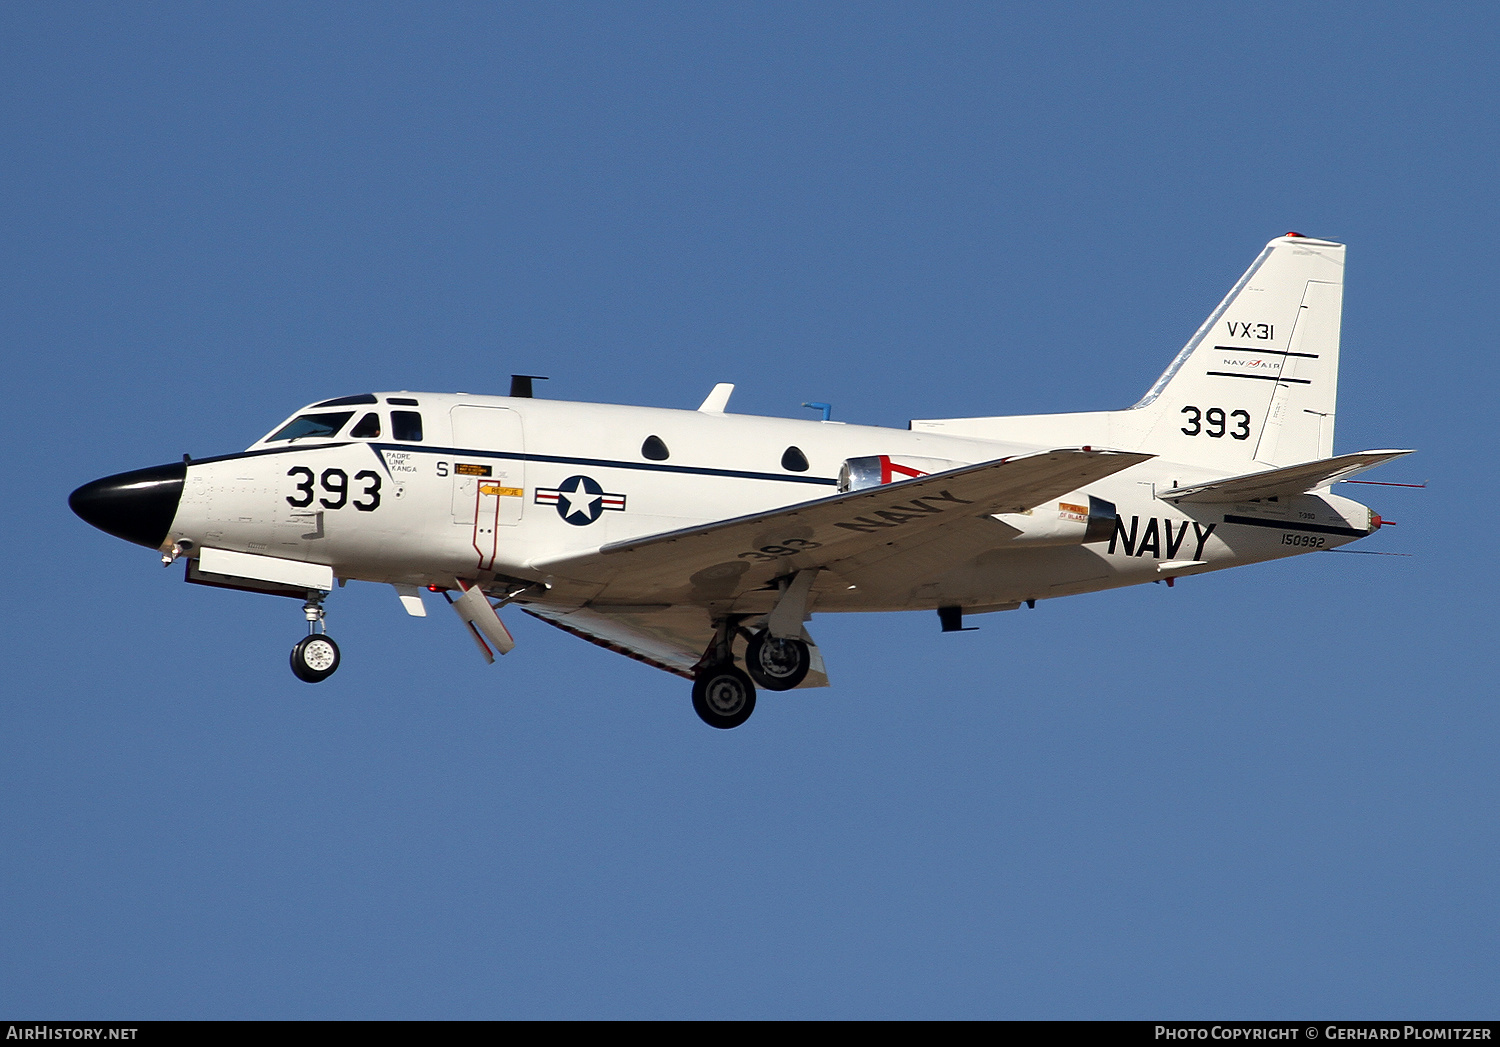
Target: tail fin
[1258,383]
[1255,388]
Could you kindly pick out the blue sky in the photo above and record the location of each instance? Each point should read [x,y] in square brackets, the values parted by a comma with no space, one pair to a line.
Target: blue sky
[1264,793]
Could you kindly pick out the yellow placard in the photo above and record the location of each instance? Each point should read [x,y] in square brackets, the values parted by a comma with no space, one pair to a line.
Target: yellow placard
[503,492]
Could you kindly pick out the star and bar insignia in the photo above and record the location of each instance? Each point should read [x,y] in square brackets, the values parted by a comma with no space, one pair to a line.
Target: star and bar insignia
[580,500]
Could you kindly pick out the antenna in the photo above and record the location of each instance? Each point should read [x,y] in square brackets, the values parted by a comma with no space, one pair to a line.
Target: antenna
[520,384]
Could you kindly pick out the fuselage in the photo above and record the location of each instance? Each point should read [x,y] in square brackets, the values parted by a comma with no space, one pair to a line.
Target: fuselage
[425,489]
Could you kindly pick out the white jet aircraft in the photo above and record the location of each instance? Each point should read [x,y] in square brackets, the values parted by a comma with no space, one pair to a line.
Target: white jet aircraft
[690,540]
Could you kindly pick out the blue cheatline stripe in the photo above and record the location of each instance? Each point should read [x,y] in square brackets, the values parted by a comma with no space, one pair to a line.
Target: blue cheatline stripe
[596,463]
[1294,525]
[610,463]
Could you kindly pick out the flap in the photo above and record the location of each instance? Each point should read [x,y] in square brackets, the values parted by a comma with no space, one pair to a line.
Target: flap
[672,639]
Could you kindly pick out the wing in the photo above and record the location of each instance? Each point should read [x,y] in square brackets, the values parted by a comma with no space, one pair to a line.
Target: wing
[670,638]
[716,562]
[1291,480]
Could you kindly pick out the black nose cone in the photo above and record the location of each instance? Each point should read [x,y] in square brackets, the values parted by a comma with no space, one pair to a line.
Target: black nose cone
[137,506]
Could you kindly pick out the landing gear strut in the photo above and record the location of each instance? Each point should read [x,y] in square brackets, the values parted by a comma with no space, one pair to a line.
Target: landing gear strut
[315,657]
[723,696]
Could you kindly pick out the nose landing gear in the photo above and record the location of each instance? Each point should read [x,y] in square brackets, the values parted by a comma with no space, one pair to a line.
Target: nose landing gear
[315,657]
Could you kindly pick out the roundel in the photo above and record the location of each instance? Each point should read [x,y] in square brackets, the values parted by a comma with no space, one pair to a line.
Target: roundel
[580,500]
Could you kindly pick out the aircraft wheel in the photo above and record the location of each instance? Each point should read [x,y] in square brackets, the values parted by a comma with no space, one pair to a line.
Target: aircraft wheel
[777,665]
[315,658]
[723,697]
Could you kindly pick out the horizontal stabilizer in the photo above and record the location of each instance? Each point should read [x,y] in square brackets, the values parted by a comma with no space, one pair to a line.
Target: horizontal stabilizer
[1291,480]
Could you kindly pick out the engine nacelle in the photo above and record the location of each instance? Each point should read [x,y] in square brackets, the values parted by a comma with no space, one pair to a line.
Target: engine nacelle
[873,470]
[1073,520]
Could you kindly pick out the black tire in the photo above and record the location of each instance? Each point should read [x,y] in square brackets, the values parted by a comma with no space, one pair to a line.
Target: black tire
[723,697]
[315,658]
[777,665]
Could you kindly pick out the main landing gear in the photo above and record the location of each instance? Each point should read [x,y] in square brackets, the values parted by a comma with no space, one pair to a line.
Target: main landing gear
[724,695]
[775,664]
[315,657]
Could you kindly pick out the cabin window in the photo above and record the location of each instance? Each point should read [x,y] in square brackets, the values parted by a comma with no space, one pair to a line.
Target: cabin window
[794,460]
[367,428]
[655,449]
[305,425]
[406,425]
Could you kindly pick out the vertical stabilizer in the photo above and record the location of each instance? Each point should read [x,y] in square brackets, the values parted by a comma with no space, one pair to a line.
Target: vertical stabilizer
[1258,383]
[1254,388]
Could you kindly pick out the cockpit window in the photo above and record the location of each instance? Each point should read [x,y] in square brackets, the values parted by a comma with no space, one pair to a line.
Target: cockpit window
[348,401]
[406,425]
[367,428]
[305,425]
